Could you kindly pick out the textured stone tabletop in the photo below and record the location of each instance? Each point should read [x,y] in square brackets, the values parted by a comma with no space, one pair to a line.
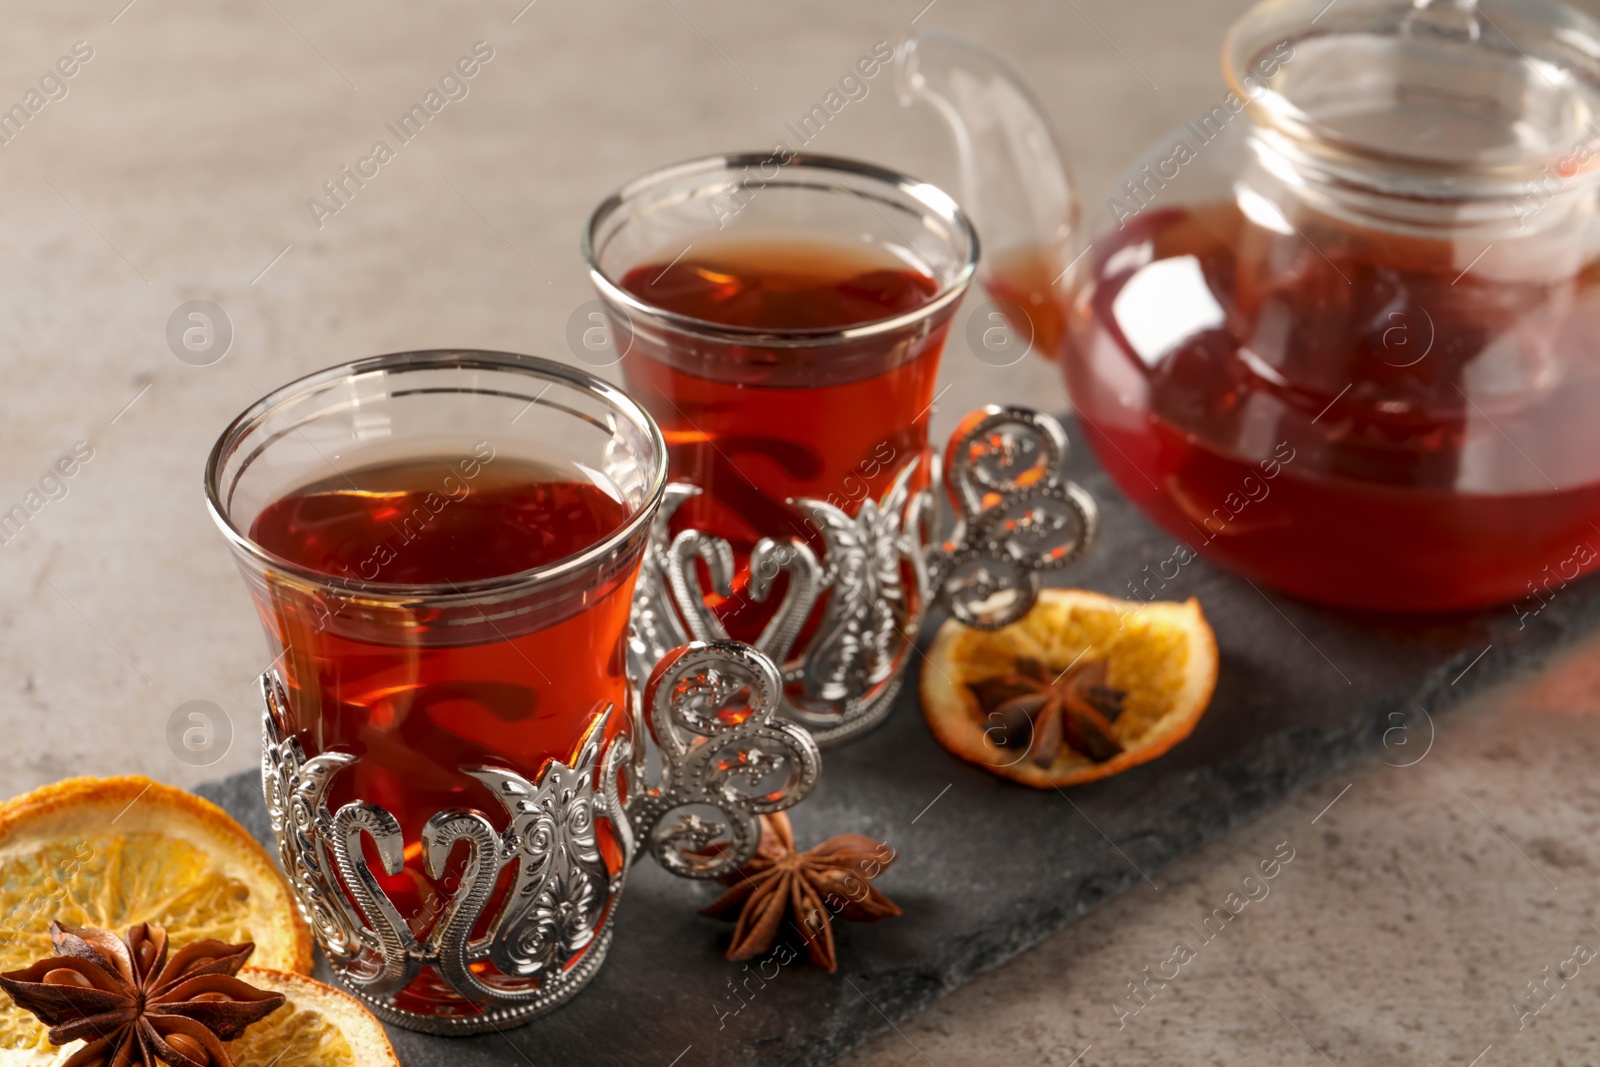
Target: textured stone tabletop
[175,164]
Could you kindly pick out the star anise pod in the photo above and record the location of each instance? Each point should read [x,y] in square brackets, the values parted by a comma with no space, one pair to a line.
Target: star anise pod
[133,1005]
[834,879]
[1037,709]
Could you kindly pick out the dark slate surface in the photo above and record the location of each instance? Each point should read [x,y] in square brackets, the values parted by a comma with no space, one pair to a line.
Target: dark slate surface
[1301,692]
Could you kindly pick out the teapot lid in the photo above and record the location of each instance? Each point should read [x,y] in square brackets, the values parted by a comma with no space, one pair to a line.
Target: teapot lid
[1480,94]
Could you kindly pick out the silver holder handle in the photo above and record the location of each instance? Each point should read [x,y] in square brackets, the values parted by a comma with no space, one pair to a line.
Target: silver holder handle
[740,767]
[724,762]
[1017,517]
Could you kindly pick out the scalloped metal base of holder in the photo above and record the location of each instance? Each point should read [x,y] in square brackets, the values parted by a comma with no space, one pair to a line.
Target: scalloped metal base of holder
[495,1019]
[829,736]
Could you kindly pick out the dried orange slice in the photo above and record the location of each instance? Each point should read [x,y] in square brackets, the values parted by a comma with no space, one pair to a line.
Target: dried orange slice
[112,852]
[318,1026]
[1147,670]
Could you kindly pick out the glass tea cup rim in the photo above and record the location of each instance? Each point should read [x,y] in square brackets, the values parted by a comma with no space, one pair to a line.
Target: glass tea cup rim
[436,359]
[930,197]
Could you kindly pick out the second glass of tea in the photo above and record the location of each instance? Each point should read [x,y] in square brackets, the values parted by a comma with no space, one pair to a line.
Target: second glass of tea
[782,317]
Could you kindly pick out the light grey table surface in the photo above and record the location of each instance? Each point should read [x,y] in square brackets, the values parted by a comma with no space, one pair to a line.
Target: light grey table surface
[178,166]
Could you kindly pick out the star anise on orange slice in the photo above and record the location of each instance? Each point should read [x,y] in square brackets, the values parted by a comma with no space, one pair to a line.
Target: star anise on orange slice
[135,1006]
[1082,687]
[811,888]
[1039,709]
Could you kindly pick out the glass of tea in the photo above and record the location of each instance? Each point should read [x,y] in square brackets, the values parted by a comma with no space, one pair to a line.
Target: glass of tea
[442,547]
[782,317]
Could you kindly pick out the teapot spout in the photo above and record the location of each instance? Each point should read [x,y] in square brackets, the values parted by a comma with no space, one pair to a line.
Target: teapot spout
[1014,180]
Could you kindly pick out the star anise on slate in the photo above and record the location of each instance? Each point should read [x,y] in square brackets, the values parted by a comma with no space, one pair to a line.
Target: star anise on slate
[1039,710]
[834,879]
[133,1005]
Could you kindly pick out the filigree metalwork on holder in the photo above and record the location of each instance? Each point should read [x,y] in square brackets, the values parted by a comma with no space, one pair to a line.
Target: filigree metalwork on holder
[1019,516]
[710,710]
[879,569]
[723,763]
[558,905]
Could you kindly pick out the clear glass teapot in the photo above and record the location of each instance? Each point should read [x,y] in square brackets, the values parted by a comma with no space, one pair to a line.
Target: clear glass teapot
[1341,332]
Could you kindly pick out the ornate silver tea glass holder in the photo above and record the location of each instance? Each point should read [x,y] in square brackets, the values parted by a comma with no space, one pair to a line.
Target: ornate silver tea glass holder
[553,927]
[513,907]
[881,569]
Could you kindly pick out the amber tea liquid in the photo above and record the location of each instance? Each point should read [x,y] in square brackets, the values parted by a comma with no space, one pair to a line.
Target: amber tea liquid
[760,425]
[416,709]
[1422,454]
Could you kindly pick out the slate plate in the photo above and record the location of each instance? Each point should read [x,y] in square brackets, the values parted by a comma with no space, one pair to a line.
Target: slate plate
[1301,692]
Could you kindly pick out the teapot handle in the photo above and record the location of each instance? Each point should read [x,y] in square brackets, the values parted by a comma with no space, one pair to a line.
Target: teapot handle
[1014,179]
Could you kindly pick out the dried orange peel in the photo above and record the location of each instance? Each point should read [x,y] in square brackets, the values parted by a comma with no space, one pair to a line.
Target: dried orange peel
[112,852]
[1161,657]
[319,1026]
